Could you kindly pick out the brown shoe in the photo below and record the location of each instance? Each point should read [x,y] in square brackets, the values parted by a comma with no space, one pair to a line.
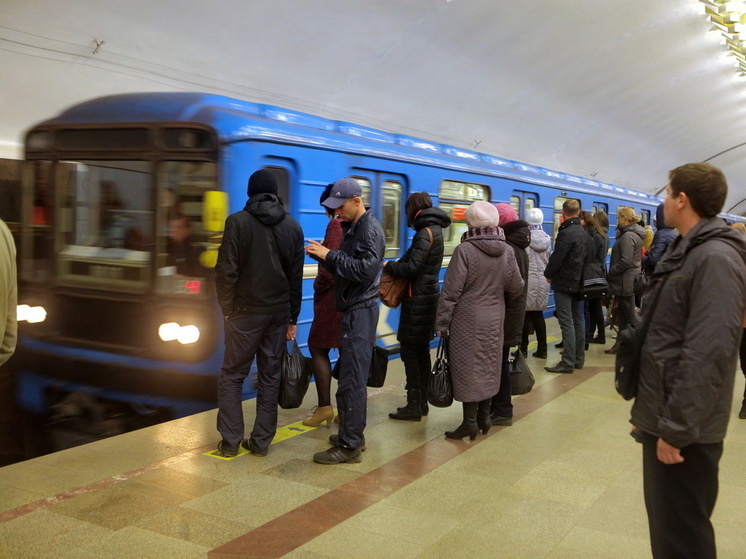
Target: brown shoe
[320,415]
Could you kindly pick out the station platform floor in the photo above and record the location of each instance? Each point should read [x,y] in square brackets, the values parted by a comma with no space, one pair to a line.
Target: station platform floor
[563,482]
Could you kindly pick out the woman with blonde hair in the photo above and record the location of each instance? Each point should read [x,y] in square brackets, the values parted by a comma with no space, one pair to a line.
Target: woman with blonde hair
[626,263]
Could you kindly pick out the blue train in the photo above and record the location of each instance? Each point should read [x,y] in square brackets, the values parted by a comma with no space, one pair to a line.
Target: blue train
[108,310]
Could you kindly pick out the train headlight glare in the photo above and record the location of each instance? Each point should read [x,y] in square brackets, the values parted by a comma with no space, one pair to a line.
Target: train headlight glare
[169,331]
[188,334]
[31,314]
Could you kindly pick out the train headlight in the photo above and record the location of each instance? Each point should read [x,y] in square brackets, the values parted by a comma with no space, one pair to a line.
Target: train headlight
[188,334]
[171,331]
[30,314]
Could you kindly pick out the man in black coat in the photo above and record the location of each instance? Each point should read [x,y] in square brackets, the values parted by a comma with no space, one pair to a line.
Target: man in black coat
[564,271]
[258,280]
[356,265]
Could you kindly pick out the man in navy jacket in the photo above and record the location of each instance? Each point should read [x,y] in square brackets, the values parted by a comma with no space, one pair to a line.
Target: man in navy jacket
[356,265]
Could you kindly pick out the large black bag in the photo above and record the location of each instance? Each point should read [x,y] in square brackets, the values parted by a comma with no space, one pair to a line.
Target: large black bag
[379,365]
[627,368]
[440,387]
[296,374]
[521,378]
[593,284]
[629,342]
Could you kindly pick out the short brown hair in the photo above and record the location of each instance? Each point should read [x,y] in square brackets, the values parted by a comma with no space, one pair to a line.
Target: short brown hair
[571,207]
[416,202]
[704,185]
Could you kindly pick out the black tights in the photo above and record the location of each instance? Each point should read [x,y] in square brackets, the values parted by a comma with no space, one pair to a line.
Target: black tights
[322,372]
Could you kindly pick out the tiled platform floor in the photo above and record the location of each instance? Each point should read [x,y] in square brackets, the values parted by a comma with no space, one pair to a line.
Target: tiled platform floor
[564,482]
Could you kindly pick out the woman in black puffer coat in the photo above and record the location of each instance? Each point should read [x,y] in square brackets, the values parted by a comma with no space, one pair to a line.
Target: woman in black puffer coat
[421,265]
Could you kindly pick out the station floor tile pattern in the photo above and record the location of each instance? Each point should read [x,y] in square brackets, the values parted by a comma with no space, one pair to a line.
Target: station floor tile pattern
[564,482]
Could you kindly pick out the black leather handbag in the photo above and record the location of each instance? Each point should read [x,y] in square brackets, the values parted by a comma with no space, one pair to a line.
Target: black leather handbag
[521,378]
[593,284]
[440,387]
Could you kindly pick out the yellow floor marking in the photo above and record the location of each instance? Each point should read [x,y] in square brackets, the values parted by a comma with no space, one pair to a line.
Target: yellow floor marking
[283,433]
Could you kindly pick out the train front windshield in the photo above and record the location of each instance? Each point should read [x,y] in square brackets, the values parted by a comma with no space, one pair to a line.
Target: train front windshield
[127,226]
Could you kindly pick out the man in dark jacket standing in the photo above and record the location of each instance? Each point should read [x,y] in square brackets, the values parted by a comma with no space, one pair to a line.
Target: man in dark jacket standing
[357,265]
[564,271]
[258,279]
[688,362]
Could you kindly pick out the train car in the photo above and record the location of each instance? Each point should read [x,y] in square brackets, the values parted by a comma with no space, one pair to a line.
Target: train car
[113,183]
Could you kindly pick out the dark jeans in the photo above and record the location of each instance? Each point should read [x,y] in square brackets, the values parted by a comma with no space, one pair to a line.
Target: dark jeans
[627,312]
[247,336]
[417,364]
[573,329]
[357,339]
[680,499]
[502,403]
[540,327]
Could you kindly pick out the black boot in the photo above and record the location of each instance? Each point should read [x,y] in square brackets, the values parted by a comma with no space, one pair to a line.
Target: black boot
[468,427]
[412,411]
[423,399]
[484,422]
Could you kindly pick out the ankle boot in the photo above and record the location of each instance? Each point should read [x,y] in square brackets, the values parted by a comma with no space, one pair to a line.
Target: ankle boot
[423,399]
[484,422]
[320,415]
[468,427]
[412,411]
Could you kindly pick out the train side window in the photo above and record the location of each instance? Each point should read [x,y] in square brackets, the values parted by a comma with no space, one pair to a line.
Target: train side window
[392,211]
[283,184]
[515,203]
[365,185]
[529,203]
[455,197]
[645,216]
[601,207]
[558,219]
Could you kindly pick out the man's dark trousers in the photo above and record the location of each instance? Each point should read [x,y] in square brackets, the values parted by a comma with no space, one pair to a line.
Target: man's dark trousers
[357,339]
[680,499]
[263,335]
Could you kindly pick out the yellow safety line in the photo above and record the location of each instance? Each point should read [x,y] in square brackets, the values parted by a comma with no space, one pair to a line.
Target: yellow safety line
[283,433]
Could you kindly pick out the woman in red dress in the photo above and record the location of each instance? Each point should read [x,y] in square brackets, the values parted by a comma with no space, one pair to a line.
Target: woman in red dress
[324,333]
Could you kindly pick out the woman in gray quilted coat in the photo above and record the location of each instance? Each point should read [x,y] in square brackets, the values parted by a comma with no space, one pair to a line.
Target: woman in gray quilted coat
[471,314]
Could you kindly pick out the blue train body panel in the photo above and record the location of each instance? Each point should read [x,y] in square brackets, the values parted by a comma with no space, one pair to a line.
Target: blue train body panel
[309,152]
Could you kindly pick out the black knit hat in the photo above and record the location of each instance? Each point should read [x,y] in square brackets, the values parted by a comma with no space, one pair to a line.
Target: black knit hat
[262,182]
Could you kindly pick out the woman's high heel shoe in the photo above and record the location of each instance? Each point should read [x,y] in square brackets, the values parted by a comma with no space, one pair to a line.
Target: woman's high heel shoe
[464,430]
[320,415]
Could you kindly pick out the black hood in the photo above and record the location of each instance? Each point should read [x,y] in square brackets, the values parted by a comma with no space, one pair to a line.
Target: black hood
[518,233]
[266,208]
[431,216]
[660,218]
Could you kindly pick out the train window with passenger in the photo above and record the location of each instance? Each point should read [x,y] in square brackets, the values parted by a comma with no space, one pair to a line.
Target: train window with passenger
[392,193]
[515,203]
[182,237]
[455,197]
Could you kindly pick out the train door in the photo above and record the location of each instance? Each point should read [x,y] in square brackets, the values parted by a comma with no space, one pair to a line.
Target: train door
[383,194]
[523,201]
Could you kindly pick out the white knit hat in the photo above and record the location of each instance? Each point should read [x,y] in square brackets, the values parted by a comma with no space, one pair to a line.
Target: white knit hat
[535,216]
[482,214]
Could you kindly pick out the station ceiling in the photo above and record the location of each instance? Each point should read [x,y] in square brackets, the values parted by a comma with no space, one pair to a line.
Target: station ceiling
[615,90]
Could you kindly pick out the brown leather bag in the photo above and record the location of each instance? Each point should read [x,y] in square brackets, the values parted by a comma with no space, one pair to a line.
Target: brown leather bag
[393,289]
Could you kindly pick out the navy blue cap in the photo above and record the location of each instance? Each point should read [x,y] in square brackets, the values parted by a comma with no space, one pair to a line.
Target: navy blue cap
[343,190]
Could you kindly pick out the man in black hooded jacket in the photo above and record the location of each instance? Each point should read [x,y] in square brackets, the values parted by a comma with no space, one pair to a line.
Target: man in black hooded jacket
[258,279]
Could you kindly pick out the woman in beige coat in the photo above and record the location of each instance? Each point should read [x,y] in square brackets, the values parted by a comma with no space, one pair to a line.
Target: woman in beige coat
[471,313]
